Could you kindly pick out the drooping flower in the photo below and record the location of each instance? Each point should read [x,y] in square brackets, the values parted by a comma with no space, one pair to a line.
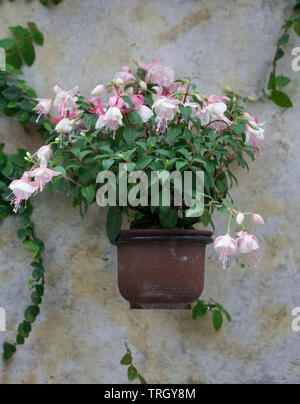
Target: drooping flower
[97,106]
[98,90]
[42,174]
[214,110]
[44,151]
[116,102]
[254,137]
[159,74]
[66,101]
[145,113]
[22,190]
[112,119]
[255,134]
[257,219]
[165,108]
[248,244]
[125,75]
[43,107]
[225,245]
[64,126]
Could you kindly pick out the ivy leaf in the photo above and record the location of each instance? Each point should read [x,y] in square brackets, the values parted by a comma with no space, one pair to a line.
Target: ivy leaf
[28,52]
[217,320]
[284,39]
[281,99]
[127,359]
[297,27]
[279,54]
[132,373]
[282,81]
[8,350]
[8,43]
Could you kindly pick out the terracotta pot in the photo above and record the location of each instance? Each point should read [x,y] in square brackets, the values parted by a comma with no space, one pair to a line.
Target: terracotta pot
[162,269]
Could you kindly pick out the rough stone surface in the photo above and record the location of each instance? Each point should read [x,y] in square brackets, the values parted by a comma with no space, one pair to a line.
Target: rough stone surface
[80,335]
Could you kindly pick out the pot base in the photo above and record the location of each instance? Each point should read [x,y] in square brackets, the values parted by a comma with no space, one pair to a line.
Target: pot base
[160,306]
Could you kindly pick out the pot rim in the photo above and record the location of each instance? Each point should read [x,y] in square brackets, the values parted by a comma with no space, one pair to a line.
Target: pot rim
[164,235]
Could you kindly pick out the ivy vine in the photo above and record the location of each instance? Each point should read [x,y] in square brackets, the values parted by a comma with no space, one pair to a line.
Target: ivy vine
[277,82]
[132,372]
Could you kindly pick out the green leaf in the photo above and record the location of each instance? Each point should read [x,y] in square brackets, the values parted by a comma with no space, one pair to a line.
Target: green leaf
[8,350]
[127,359]
[114,223]
[238,129]
[134,117]
[8,43]
[88,193]
[20,340]
[28,52]
[26,106]
[20,32]
[227,315]
[12,93]
[281,99]
[38,37]
[132,373]
[14,59]
[141,379]
[168,219]
[282,81]
[217,320]
[31,313]
[199,310]
[284,39]
[279,54]
[297,28]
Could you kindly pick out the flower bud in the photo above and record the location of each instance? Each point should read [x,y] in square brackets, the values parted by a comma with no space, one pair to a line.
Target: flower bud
[252,99]
[98,90]
[240,218]
[119,82]
[228,89]
[143,85]
[257,219]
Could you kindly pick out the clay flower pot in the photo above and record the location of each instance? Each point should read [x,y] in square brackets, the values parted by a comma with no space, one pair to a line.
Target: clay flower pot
[161,269]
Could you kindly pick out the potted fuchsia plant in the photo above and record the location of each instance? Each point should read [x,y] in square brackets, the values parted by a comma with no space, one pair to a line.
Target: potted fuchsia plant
[148,122]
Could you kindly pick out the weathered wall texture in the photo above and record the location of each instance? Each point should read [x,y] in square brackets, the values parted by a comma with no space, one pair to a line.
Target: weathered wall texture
[80,335]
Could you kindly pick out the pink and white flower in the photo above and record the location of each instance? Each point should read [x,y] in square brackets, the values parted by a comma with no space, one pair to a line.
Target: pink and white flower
[64,126]
[165,108]
[42,174]
[159,74]
[125,75]
[44,151]
[255,134]
[248,244]
[226,245]
[43,107]
[112,119]
[66,101]
[22,190]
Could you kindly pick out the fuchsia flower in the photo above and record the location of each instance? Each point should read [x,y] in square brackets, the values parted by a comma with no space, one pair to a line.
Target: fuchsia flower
[22,189]
[112,119]
[254,132]
[125,75]
[97,106]
[43,107]
[165,108]
[248,243]
[64,126]
[226,245]
[159,74]
[116,102]
[42,174]
[66,101]
[214,110]
[44,151]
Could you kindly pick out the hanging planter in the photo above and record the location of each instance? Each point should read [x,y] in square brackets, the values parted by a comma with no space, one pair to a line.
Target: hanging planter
[162,269]
[155,147]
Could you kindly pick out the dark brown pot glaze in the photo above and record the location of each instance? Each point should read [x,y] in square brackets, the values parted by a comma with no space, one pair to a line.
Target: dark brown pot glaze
[162,269]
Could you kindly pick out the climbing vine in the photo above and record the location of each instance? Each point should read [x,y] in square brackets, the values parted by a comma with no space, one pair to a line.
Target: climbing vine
[132,372]
[277,82]
[47,2]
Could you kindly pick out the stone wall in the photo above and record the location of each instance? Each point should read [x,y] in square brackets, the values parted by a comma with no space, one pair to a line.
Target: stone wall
[80,335]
